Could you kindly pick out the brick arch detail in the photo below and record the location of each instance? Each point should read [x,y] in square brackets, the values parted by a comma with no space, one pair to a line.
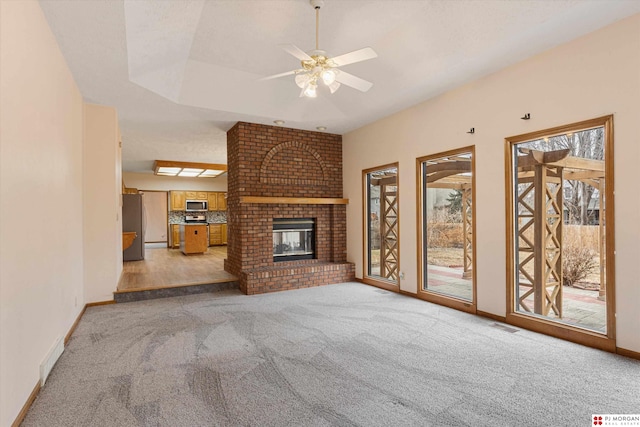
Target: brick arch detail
[264,168]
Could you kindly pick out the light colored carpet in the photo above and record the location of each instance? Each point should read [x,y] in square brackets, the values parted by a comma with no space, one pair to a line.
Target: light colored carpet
[343,355]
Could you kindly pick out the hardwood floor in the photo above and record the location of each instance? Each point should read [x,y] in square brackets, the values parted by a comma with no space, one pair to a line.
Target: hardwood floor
[167,268]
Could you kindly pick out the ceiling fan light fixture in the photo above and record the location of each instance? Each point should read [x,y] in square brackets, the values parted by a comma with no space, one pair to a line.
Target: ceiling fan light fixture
[328,76]
[318,65]
[302,80]
[310,91]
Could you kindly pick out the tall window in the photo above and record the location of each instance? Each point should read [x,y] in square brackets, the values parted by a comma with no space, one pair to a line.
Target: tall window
[561,238]
[382,251]
[447,228]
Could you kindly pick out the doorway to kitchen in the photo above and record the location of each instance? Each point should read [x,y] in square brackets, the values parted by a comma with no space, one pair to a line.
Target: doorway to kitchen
[167,271]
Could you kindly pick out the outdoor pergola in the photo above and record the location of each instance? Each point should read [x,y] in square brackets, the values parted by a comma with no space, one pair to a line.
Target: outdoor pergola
[541,176]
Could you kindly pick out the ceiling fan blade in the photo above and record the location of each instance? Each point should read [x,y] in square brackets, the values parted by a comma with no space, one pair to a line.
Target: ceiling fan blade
[355,56]
[275,76]
[296,51]
[353,81]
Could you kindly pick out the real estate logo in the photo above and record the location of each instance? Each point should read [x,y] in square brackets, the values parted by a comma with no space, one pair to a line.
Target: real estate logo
[611,420]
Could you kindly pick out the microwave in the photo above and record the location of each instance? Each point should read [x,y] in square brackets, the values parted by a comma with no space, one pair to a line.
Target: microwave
[197,206]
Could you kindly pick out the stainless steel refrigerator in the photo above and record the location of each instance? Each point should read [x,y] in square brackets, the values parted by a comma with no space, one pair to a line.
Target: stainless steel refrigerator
[133,219]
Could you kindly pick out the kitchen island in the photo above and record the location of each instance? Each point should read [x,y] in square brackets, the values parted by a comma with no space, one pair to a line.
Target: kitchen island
[194,238]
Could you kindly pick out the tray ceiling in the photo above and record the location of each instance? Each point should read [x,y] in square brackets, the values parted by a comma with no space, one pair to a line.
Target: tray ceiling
[181,73]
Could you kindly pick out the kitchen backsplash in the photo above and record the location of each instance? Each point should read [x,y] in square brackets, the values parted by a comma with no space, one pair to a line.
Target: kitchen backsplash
[177,217]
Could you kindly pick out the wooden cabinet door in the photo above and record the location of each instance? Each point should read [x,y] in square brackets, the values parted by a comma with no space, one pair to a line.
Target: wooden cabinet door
[222,201]
[178,199]
[224,234]
[213,201]
[202,195]
[175,236]
[215,234]
[191,195]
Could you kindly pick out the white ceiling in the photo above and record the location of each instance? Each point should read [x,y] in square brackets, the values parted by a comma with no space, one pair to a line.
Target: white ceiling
[182,72]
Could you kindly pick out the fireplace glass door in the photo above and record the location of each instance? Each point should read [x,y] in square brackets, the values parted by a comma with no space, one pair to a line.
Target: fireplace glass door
[293,239]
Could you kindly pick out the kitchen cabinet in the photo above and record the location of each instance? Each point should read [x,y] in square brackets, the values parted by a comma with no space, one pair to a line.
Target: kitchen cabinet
[178,200]
[222,201]
[193,238]
[196,195]
[213,201]
[217,234]
[175,236]
[217,200]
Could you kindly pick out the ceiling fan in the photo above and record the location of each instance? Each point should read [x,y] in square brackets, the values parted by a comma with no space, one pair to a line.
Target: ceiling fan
[317,66]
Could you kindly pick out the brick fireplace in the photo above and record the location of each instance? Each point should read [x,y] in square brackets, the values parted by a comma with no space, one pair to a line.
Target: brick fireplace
[286,175]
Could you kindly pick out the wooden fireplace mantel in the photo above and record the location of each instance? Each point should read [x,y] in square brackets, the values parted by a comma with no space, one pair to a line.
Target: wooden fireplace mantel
[294,200]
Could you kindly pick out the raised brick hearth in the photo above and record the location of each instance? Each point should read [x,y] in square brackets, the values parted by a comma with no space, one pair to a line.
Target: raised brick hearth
[270,161]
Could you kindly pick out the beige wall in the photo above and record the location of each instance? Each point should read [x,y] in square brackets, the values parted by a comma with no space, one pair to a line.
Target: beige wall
[102,208]
[593,76]
[41,288]
[149,181]
[156,211]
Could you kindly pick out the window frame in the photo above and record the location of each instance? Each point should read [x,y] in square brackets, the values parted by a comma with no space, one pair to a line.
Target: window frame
[547,326]
[424,294]
[377,281]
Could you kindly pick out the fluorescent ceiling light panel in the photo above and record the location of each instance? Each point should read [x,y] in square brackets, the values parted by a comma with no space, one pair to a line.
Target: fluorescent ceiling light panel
[203,170]
[169,171]
[211,173]
[190,174]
